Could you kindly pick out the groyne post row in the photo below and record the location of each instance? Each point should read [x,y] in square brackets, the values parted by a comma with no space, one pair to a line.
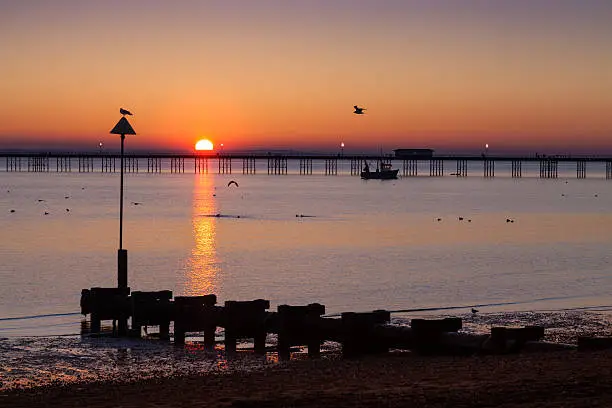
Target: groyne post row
[359,333]
[278,164]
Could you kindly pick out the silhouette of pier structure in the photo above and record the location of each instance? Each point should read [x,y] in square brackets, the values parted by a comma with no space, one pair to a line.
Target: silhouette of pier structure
[277,164]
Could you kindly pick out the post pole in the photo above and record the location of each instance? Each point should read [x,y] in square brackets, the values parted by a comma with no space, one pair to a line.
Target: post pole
[122,273]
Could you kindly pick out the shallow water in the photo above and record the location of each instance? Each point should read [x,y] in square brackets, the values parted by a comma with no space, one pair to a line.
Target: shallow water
[27,362]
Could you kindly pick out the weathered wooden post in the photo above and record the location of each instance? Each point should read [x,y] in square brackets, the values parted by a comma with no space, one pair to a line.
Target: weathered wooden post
[245,319]
[358,333]
[151,308]
[512,339]
[300,325]
[427,332]
[122,128]
[105,304]
[196,313]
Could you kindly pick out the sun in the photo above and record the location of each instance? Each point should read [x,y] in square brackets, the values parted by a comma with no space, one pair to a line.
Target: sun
[204,144]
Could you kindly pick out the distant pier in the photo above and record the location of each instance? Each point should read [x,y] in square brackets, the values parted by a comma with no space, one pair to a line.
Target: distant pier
[280,164]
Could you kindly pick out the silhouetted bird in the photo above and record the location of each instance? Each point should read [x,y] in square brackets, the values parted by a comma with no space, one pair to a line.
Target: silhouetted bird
[358,110]
[232,182]
[474,311]
[125,112]
[136,203]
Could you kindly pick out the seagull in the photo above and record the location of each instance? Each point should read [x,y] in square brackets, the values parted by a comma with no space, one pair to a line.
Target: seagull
[358,110]
[232,182]
[125,112]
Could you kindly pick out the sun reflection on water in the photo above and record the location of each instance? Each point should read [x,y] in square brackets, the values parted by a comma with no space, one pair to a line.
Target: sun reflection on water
[202,273]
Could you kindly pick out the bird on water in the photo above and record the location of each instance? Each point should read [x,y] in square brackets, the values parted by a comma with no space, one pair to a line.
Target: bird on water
[358,110]
[125,112]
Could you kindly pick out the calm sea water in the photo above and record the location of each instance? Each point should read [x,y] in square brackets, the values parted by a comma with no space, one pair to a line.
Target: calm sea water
[349,244]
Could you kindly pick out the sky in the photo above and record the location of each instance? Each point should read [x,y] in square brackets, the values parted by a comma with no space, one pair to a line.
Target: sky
[453,75]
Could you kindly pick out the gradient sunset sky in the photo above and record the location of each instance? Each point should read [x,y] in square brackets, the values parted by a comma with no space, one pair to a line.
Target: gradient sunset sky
[520,75]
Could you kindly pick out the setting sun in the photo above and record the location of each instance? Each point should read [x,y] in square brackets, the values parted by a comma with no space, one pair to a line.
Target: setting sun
[204,144]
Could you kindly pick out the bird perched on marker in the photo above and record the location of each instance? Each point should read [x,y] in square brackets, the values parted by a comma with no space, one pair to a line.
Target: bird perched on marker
[358,110]
[125,112]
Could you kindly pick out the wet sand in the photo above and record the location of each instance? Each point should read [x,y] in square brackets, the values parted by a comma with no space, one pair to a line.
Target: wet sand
[557,379]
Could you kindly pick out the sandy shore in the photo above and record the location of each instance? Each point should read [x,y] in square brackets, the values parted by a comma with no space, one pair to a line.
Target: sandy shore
[559,379]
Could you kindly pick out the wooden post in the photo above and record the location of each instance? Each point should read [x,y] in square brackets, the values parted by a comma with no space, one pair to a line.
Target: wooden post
[300,325]
[196,313]
[122,128]
[358,333]
[245,319]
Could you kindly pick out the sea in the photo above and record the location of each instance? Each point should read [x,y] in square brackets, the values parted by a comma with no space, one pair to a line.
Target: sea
[417,246]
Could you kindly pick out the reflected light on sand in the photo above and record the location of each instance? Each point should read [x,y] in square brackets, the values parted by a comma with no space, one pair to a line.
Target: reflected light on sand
[202,273]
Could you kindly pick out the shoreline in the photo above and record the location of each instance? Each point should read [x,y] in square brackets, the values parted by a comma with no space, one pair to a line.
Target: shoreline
[569,379]
[43,362]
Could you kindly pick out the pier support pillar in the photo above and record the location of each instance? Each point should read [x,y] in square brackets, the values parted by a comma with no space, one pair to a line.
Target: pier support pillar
[201,165]
[305,166]
[581,169]
[410,168]
[489,168]
[248,165]
[436,168]
[331,167]
[517,169]
[549,168]
[461,168]
[225,165]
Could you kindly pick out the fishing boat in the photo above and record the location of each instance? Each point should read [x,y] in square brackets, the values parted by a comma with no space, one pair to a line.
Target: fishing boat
[383,172]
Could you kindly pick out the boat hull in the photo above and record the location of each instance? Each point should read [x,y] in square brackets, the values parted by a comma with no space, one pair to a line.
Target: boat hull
[380,175]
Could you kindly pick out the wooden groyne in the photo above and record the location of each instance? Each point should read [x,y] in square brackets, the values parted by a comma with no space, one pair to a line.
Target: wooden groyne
[305,325]
[280,164]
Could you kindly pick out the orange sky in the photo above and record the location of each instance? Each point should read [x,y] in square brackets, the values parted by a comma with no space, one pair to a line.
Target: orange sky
[452,75]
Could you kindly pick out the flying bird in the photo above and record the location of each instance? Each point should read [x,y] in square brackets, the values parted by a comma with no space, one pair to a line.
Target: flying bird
[232,182]
[125,112]
[358,110]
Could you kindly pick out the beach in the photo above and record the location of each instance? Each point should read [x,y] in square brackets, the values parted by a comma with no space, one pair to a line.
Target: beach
[557,379]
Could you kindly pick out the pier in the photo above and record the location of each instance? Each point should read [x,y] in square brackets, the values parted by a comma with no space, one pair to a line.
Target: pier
[330,165]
